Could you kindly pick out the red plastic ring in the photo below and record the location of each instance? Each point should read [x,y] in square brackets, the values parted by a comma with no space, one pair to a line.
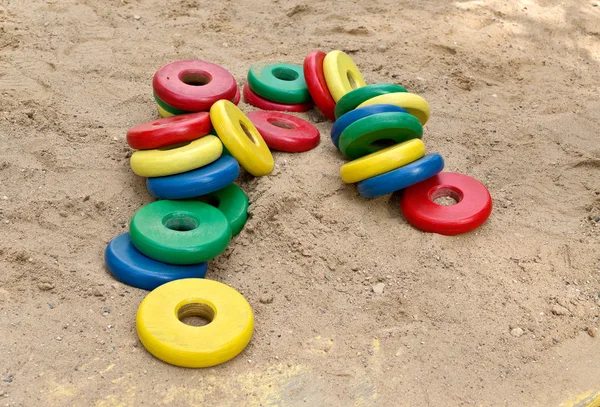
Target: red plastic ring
[169,131]
[193,85]
[238,96]
[317,86]
[261,103]
[473,207]
[284,132]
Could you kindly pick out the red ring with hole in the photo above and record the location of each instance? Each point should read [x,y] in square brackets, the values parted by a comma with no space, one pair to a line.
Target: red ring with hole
[168,131]
[473,207]
[253,99]
[284,132]
[193,85]
[317,86]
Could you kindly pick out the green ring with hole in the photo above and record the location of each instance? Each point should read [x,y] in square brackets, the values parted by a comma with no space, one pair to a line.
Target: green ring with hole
[168,108]
[355,97]
[281,83]
[378,131]
[180,232]
[233,202]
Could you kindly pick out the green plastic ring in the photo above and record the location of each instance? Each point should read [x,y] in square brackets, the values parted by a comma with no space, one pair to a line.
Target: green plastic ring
[233,202]
[355,97]
[180,232]
[168,108]
[281,83]
[378,131]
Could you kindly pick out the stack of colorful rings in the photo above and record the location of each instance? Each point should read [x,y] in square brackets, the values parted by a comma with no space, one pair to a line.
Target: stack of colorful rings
[190,86]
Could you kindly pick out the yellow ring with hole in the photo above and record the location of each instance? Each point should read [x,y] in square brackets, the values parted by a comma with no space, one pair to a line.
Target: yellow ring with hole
[414,104]
[341,74]
[163,113]
[162,333]
[241,138]
[177,158]
[382,161]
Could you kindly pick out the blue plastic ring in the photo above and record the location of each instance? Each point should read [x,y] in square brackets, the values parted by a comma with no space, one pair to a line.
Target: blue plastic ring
[216,175]
[357,114]
[402,177]
[131,267]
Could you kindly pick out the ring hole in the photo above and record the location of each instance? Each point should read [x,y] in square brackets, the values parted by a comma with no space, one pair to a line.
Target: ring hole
[285,74]
[383,143]
[180,223]
[195,78]
[351,80]
[281,124]
[196,314]
[210,199]
[174,146]
[248,133]
[446,196]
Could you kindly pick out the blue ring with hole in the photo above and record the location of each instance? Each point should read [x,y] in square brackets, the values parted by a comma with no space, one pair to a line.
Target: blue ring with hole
[357,114]
[216,175]
[402,177]
[131,267]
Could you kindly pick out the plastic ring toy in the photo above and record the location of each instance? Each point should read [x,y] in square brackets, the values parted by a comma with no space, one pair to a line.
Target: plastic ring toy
[285,132]
[180,232]
[233,202]
[354,98]
[163,113]
[378,131]
[473,204]
[402,177]
[241,138]
[202,181]
[193,85]
[281,83]
[382,161]
[341,74]
[238,96]
[166,132]
[415,104]
[177,158]
[317,85]
[169,109]
[131,267]
[340,124]
[161,330]
[253,99]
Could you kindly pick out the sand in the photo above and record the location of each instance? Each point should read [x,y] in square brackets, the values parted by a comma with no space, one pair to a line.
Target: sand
[497,317]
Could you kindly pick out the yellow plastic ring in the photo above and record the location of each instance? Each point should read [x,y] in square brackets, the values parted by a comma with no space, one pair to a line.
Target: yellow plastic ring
[414,104]
[341,74]
[177,158]
[162,333]
[241,138]
[382,161]
[163,113]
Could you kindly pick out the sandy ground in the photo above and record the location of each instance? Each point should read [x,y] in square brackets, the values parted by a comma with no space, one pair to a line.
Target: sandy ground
[498,317]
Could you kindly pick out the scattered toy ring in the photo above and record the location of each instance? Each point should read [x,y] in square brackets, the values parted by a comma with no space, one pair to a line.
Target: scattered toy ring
[180,232]
[415,104]
[163,113]
[317,85]
[201,181]
[253,99]
[177,158]
[164,335]
[285,132]
[378,131]
[281,83]
[169,131]
[233,202]
[473,204]
[193,85]
[169,109]
[131,267]
[341,74]
[354,98]
[241,138]
[347,119]
[382,161]
[402,177]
